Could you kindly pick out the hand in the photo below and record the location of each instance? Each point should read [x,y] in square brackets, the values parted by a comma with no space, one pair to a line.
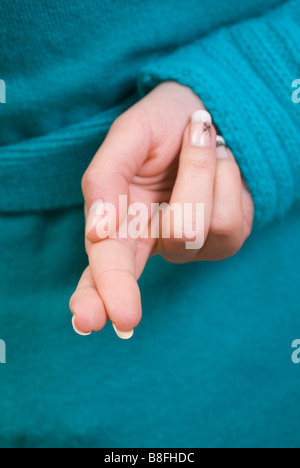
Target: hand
[154,154]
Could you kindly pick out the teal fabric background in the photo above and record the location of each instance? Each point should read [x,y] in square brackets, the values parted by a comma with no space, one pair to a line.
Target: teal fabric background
[210,365]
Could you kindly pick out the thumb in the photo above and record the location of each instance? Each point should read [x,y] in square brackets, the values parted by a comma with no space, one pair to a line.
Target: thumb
[110,173]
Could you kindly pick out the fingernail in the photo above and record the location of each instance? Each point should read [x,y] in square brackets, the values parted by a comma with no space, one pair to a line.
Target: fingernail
[95,214]
[222,152]
[123,335]
[76,329]
[220,141]
[201,129]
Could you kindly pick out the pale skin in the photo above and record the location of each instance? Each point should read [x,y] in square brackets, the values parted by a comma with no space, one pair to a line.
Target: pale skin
[147,155]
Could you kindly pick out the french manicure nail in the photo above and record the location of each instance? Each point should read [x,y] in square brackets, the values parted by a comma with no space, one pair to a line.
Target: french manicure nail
[201,129]
[123,335]
[95,214]
[220,141]
[76,329]
[222,152]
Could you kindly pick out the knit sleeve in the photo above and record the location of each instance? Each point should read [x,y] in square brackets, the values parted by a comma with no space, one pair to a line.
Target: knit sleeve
[244,74]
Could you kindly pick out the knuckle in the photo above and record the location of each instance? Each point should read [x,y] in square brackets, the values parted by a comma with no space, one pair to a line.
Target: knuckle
[119,122]
[133,120]
[199,163]
[227,225]
[88,180]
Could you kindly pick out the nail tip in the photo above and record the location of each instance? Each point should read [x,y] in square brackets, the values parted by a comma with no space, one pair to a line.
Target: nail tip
[78,332]
[123,335]
[202,116]
[200,133]
[220,141]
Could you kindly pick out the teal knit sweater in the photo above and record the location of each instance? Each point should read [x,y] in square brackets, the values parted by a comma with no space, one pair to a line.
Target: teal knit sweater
[210,364]
[70,68]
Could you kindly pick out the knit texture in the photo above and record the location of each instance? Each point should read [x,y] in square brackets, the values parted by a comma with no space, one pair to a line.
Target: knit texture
[83,62]
[244,74]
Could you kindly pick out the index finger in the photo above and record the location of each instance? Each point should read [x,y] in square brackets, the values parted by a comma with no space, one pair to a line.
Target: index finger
[117,161]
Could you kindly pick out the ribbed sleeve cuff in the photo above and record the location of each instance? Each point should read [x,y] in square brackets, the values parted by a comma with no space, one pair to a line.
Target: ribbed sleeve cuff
[244,75]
